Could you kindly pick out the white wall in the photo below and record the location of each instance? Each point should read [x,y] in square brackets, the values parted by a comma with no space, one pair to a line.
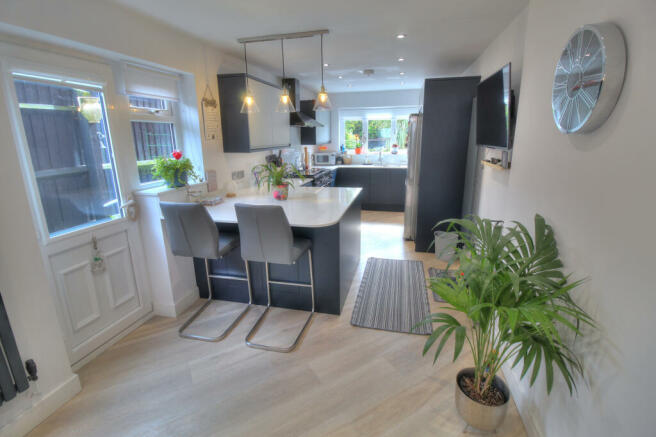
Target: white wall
[101,29]
[597,192]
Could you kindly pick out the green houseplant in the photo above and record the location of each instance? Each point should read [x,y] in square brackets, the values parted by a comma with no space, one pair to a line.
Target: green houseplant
[175,170]
[511,288]
[277,177]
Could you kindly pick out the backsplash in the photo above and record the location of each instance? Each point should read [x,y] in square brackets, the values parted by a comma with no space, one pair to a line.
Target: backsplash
[387,158]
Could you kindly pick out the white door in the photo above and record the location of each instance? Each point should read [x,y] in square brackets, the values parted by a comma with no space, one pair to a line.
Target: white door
[92,251]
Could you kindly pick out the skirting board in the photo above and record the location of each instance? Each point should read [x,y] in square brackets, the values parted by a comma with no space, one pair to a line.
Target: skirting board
[180,306]
[47,405]
[518,392]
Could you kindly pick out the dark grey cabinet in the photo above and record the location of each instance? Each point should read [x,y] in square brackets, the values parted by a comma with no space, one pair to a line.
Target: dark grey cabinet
[244,133]
[315,135]
[383,189]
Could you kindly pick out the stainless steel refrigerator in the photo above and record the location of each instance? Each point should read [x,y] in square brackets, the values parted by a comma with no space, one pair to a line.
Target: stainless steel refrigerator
[412,178]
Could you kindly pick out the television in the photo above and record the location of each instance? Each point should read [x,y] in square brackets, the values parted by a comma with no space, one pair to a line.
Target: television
[495,111]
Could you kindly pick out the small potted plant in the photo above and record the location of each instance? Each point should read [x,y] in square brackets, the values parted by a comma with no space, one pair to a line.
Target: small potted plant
[516,299]
[276,177]
[176,170]
[358,145]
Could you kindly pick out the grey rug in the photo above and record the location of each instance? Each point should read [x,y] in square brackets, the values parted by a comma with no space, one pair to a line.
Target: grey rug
[392,296]
[439,273]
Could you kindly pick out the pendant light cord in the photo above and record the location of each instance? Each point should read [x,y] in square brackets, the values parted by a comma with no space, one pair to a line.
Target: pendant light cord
[282,49]
[246,64]
[322,59]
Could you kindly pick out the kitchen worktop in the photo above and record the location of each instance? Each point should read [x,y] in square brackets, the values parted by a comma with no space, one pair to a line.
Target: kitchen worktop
[333,167]
[307,207]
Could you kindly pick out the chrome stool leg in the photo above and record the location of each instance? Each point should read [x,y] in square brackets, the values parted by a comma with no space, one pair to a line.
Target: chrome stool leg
[260,320]
[234,323]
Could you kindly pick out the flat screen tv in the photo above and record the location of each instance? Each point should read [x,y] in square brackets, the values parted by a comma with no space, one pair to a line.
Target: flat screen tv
[494,111]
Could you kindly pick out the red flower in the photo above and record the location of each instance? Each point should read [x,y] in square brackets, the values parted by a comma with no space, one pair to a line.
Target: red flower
[176,154]
[462,273]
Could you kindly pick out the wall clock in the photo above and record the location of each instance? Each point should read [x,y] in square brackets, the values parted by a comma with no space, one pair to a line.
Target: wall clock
[588,78]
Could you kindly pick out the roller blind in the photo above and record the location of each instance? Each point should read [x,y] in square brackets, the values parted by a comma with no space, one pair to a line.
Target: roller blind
[138,81]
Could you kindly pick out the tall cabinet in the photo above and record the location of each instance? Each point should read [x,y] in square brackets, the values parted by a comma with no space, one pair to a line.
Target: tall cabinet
[443,158]
[244,133]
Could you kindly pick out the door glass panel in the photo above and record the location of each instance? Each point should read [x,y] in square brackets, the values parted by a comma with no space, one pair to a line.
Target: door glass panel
[71,154]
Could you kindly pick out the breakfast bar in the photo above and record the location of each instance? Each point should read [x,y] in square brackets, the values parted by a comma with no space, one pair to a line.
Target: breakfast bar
[328,216]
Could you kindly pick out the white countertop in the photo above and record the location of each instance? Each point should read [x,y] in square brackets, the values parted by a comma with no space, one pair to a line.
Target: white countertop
[306,207]
[332,167]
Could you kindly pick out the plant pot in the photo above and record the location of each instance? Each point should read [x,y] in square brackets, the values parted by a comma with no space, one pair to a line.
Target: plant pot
[358,150]
[482,417]
[280,192]
[179,180]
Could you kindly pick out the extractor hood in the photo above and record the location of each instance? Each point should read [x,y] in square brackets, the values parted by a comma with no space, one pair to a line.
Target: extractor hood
[298,118]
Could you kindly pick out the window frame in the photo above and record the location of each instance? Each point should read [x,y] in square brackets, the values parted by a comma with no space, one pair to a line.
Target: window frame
[168,116]
[367,114]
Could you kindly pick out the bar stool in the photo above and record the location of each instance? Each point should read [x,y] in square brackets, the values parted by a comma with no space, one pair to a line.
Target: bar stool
[193,233]
[266,237]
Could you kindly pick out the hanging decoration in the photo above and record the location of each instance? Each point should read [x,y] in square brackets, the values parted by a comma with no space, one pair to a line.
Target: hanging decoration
[97,262]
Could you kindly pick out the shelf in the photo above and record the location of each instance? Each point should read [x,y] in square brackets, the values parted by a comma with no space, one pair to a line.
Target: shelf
[495,166]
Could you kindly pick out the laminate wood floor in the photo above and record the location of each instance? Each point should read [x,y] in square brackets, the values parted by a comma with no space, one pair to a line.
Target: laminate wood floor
[341,381]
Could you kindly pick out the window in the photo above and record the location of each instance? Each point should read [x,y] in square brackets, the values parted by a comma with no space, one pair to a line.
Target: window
[153,132]
[382,131]
[70,151]
[353,134]
[379,135]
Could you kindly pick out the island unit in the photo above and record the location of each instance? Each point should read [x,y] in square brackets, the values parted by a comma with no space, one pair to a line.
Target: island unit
[329,216]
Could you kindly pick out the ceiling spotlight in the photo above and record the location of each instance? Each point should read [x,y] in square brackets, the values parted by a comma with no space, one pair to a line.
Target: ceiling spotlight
[339,77]
[325,65]
[402,73]
[401,59]
[400,35]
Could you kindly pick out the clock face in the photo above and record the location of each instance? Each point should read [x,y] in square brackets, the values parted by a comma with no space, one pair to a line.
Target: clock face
[578,80]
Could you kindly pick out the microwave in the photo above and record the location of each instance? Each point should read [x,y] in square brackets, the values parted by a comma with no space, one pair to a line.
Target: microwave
[325,158]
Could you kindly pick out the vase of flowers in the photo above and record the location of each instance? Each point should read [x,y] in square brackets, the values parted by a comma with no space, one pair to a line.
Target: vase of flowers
[277,177]
[516,300]
[175,170]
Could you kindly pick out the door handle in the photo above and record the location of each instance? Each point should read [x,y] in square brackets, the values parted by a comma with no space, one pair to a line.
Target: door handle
[130,208]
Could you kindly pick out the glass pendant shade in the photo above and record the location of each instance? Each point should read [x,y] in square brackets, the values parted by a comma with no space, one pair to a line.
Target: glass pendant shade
[322,102]
[285,103]
[249,106]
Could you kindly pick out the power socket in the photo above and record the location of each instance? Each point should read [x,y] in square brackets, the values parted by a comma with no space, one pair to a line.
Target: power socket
[236,175]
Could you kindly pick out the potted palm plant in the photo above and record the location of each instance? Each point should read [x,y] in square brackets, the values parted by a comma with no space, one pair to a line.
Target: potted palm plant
[277,177]
[516,299]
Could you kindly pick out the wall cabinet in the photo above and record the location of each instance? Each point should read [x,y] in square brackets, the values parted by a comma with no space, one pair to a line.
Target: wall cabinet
[383,189]
[315,135]
[243,133]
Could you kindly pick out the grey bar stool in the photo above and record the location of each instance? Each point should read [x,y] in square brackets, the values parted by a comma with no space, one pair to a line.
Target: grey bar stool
[193,233]
[267,237]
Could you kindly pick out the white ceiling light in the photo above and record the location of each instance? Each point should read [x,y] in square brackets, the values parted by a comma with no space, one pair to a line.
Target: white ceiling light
[401,35]
[401,59]
[339,77]
[402,73]
[325,65]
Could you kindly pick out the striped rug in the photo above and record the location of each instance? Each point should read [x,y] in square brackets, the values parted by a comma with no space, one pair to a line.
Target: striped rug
[392,296]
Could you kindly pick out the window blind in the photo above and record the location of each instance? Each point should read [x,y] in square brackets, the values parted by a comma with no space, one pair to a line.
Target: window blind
[138,81]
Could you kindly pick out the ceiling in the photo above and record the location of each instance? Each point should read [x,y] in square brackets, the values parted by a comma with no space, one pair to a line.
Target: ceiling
[443,36]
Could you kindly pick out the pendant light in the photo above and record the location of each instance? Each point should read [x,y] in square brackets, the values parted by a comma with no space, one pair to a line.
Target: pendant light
[249,106]
[322,102]
[285,104]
